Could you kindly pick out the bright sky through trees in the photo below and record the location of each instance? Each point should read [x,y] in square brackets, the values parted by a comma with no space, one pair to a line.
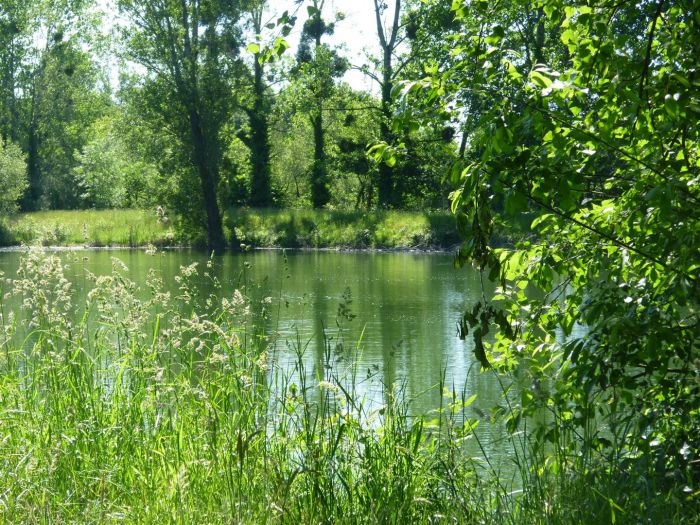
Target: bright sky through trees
[356,32]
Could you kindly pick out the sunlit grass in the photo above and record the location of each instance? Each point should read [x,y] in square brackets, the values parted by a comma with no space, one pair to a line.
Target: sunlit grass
[274,228]
[87,227]
[344,229]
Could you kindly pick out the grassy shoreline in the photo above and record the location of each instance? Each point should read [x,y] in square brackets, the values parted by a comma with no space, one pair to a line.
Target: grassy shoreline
[270,228]
[94,228]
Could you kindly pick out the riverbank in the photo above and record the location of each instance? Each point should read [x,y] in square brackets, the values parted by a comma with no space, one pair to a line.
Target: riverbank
[93,228]
[273,228]
[400,230]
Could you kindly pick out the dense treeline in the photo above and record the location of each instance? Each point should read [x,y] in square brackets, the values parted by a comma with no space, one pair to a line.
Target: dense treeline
[207,114]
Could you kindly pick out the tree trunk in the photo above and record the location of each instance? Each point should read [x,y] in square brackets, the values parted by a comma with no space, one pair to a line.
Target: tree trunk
[388,41]
[261,194]
[319,178]
[30,202]
[386,173]
[215,231]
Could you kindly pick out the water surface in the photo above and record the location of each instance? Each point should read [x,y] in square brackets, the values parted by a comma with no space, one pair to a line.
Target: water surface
[397,327]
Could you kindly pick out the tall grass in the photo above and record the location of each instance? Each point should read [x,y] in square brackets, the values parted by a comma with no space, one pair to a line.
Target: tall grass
[87,227]
[343,229]
[157,407]
[160,408]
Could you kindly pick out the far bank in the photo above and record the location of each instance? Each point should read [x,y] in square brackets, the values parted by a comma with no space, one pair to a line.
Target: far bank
[247,228]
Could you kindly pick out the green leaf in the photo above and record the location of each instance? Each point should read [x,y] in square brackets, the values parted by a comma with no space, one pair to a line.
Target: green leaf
[515,202]
[540,80]
[280,46]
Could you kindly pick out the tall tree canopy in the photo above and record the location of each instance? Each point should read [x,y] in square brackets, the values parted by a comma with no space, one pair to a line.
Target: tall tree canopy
[50,91]
[318,67]
[190,49]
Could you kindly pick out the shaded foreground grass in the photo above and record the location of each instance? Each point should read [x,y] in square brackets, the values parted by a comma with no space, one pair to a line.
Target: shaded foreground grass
[156,408]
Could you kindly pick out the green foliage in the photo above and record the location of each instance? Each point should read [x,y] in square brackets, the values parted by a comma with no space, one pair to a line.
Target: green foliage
[13,177]
[50,91]
[187,110]
[292,151]
[15,36]
[67,104]
[588,122]
[235,185]
[349,126]
[110,175]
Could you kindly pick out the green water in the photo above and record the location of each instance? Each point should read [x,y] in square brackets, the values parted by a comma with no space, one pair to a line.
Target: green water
[403,335]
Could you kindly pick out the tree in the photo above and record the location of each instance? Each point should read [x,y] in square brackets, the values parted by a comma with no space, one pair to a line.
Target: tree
[318,67]
[15,35]
[258,112]
[352,127]
[588,123]
[188,46]
[49,91]
[410,43]
[110,174]
[348,129]
[13,176]
[389,41]
[64,103]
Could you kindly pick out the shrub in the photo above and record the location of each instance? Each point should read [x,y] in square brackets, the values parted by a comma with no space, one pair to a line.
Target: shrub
[13,176]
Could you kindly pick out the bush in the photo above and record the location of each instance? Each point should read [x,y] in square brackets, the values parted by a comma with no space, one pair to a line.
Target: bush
[108,174]
[13,176]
